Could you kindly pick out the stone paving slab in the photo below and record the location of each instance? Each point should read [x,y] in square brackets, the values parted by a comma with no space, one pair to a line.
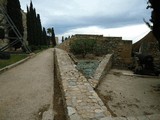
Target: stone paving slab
[81,101]
[154,117]
[147,117]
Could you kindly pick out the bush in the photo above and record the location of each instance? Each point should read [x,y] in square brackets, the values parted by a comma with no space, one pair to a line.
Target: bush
[4,56]
[83,46]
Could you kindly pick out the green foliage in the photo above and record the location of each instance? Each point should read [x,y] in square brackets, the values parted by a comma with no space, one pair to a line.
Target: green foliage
[35,35]
[62,39]
[51,34]
[53,38]
[44,37]
[14,58]
[83,46]
[14,11]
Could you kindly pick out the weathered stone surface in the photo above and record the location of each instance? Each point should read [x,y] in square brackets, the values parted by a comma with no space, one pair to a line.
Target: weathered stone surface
[132,118]
[48,115]
[106,118]
[121,48]
[153,117]
[80,98]
[142,118]
[119,118]
[102,69]
[71,111]
[75,117]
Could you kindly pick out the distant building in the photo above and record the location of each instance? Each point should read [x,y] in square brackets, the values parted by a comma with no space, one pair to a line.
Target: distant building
[57,40]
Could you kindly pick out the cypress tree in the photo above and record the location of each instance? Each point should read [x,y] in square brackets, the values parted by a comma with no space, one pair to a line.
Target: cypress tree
[62,39]
[14,11]
[39,30]
[29,30]
[53,38]
[44,37]
[34,27]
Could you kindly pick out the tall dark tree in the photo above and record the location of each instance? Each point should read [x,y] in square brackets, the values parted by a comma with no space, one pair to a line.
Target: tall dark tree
[39,30]
[44,37]
[62,39]
[14,11]
[30,24]
[53,38]
[155,18]
[34,27]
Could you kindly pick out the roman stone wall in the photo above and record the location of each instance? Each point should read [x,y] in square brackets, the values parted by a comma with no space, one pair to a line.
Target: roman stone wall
[121,49]
[81,102]
[148,45]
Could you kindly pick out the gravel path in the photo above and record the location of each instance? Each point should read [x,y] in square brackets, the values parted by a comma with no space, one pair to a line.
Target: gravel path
[27,90]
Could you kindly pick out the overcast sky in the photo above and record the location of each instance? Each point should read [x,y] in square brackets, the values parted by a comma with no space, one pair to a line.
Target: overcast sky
[108,17]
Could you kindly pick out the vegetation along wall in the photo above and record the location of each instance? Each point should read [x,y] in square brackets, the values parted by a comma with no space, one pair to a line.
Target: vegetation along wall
[121,49]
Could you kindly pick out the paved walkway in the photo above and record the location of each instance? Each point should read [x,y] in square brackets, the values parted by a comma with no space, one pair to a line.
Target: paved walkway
[27,90]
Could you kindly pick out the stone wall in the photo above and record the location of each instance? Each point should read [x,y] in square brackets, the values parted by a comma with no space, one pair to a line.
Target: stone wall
[3,25]
[148,45]
[81,102]
[121,49]
[103,68]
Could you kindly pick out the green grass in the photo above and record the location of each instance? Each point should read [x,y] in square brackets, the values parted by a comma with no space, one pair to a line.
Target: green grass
[14,58]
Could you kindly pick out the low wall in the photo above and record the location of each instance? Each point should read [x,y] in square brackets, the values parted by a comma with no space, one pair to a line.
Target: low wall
[102,70]
[122,49]
[81,102]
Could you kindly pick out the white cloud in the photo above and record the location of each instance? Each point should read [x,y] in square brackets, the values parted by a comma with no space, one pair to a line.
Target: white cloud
[107,17]
[134,32]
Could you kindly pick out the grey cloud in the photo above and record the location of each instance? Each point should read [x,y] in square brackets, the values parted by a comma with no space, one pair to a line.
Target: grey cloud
[65,15]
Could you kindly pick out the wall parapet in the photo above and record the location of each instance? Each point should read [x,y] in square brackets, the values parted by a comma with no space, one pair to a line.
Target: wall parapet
[103,68]
[80,100]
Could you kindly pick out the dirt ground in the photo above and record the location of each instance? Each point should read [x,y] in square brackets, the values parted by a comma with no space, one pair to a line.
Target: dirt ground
[130,95]
[26,91]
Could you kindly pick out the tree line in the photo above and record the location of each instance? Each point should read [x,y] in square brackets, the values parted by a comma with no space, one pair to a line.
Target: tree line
[36,34]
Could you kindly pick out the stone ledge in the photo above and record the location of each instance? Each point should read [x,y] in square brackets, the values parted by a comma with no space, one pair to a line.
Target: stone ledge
[144,117]
[81,102]
[102,69]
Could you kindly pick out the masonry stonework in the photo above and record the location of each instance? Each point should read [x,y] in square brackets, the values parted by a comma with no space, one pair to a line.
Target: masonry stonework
[81,102]
[121,49]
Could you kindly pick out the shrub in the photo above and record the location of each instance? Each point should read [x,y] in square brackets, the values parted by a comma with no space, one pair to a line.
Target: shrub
[83,46]
[4,56]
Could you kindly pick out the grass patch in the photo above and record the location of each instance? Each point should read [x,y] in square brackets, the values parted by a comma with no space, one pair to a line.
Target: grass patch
[14,58]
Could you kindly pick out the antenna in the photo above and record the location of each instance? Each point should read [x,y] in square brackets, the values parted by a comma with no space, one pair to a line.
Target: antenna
[18,37]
